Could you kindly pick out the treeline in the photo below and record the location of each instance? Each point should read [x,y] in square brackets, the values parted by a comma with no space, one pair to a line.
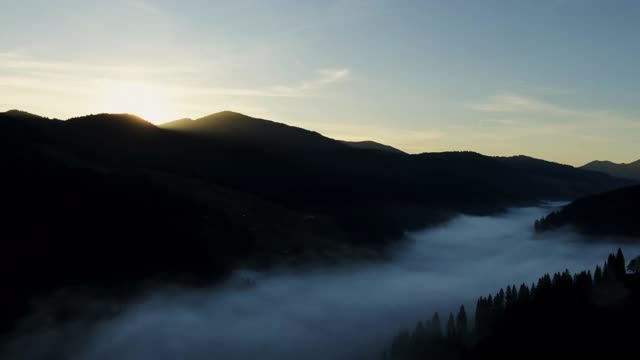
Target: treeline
[584,313]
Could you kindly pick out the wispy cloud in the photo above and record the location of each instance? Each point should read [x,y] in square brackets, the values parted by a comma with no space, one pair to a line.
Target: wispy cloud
[146,6]
[521,108]
[533,116]
[513,103]
[19,63]
[324,77]
[21,71]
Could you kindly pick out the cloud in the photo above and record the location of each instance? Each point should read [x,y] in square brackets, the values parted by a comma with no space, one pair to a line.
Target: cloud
[513,103]
[12,61]
[21,71]
[324,78]
[520,106]
[147,6]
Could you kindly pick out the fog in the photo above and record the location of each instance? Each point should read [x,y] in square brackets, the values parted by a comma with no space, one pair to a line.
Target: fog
[346,312]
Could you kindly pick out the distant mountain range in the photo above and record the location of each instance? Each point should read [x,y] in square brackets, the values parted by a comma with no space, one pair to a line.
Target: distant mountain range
[629,171]
[130,202]
[351,183]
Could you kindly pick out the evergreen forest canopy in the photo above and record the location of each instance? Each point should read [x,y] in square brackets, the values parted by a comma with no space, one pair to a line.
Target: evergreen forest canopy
[580,314]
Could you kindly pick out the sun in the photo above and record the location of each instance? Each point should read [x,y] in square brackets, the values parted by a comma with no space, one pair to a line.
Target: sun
[151,102]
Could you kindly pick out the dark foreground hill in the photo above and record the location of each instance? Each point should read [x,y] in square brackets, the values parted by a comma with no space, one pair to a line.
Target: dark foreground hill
[112,201]
[611,213]
[629,171]
[564,315]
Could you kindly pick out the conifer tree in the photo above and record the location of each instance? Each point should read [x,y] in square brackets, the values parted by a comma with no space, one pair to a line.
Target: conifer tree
[597,275]
[451,327]
[461,322]
[523,294]
[436,326]
[620,263]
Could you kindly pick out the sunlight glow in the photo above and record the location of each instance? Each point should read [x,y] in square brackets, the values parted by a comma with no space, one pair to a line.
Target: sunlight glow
[151,102]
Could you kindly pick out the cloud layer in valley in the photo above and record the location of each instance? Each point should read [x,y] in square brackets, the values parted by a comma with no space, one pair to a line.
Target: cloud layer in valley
[348,312]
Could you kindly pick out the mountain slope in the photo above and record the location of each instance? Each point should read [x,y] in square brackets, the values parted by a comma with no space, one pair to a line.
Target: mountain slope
[234,127]
[372,145]
[629,171]
[372,195]
[610,213]
[129,201]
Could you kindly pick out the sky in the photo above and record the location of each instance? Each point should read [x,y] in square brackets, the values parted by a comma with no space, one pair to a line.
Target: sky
[553,79]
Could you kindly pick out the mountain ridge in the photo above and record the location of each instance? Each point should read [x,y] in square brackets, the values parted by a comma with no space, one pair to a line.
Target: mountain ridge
[373,145]
[624,170]
[163,204]
[609,213]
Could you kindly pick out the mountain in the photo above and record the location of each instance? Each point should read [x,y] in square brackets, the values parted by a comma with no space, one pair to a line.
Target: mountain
[22,115]
[130,202]
[101,122]
[228,126]
[629,171]
[372,145]
[371,195]
[610,213]
[183,123]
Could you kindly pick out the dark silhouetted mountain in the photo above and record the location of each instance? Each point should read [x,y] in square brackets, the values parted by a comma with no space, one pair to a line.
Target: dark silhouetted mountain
[179,124]
[128,201]
[372,145]
[611,213]
[110,122]
[370,194]
[579,315]
[22,115]
[629,171]
[548,173]
[239,128]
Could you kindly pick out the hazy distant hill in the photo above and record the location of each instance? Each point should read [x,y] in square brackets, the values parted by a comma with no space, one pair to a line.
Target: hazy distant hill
[372,145]
[629,171]
[610,213]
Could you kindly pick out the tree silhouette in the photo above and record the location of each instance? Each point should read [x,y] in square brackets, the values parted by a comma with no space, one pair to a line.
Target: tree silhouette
[634,265]
[579,315]
[451,327]
[461,322]
[620,263]
[436,325]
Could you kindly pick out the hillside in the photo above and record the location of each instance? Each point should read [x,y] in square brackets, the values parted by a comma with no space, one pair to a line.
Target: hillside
[228,126]
[192,204]
[629,171]
[372,145]
[610,213]
[372,195]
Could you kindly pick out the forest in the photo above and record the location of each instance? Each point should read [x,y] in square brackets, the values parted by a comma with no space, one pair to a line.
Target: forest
[579,314]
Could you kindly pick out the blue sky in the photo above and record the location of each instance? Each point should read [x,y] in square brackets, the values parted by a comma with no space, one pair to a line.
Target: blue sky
[556,79]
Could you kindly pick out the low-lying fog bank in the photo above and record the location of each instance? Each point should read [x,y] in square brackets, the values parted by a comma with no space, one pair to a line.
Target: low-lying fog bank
[338,313]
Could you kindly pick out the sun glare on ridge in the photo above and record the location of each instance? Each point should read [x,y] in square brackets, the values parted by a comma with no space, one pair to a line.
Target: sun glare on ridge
[152,103]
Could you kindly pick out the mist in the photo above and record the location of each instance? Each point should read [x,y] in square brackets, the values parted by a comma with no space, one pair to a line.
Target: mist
[342,312]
